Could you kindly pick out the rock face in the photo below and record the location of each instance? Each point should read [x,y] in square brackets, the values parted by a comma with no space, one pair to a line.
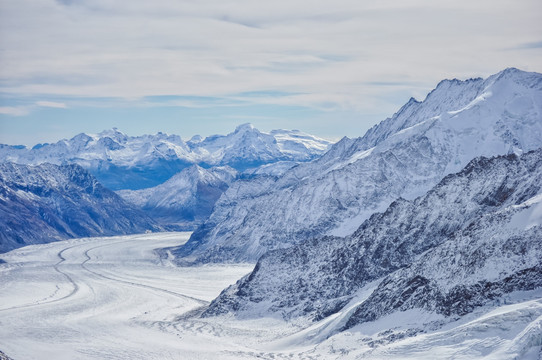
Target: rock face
[125,162]
[473,238]
[404,156]
[40,204]
[186,199]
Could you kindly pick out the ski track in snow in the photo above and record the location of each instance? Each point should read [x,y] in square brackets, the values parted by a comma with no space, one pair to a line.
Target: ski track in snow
[88,258]
[47,300]
[114,298]
[105,301]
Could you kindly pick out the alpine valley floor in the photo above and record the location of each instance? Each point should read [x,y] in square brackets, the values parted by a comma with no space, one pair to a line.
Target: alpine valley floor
[114,298]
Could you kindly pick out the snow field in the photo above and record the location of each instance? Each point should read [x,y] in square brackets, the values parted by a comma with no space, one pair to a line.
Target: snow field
[114,298]
[104,298]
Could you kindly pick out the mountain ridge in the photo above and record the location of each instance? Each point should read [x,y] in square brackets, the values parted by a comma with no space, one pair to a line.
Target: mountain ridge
[186,199]
[471,240]
[404,156]
[47,202]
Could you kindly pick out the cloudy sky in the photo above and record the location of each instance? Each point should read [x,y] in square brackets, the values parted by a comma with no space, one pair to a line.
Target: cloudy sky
[332,68]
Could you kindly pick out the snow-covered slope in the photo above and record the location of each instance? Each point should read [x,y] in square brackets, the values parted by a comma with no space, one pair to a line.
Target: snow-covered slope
[125,162]
[44,203]
[471,240]
[404,156]
[186,199]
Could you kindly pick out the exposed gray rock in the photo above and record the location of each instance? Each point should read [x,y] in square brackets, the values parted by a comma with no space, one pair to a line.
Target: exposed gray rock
[474,237]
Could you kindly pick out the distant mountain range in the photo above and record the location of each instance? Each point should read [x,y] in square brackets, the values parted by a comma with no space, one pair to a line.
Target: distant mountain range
[189,177]
[120,161]
[44,203]
[403,156]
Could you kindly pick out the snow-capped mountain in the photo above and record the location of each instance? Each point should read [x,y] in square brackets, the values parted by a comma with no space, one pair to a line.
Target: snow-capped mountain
[247,147]
[404,156]
[120,161]
[472,240]
[44,203]
[186,199]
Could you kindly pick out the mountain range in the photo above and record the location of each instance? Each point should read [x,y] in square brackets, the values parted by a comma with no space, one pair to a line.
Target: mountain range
[189,176]
[434,215]
[403,156]
[472,240]
[120,161]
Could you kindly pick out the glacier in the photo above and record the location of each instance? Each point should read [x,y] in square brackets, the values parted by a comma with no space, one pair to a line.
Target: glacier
[113,297]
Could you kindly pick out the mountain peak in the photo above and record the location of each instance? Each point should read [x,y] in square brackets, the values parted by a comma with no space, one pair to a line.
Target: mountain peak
[244,127]
[447,85]
[510,70]
[516,76]
[195,139]
[113,133]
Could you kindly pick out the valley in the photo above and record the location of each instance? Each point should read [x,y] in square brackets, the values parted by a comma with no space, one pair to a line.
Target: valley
[419,240]
[281,180]
[103,298]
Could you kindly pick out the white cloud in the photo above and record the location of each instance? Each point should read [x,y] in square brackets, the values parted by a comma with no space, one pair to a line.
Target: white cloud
[330,51]
[51,104]
[14,110]
[27,109]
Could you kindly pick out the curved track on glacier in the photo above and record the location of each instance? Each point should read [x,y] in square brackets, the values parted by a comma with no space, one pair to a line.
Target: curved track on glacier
[131,283]
[79,254]
[115,298]
[107,298]
[51,298]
